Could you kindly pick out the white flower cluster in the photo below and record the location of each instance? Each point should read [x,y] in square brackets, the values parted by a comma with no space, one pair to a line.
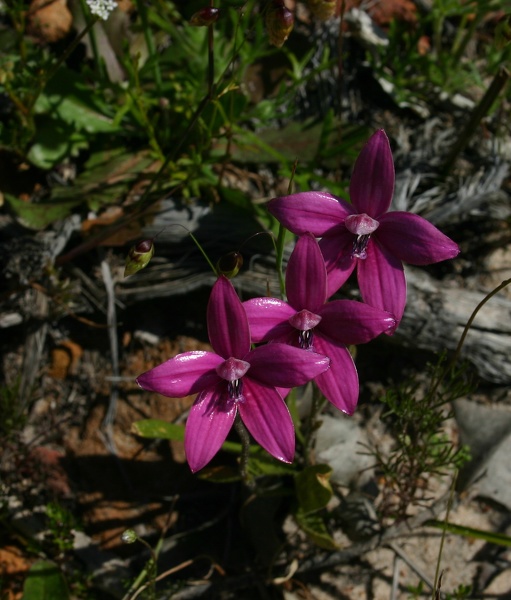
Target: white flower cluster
[102,8]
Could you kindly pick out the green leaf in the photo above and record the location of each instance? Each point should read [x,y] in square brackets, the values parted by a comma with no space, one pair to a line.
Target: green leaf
[313,488]
[68,98]
[54,141]
[158,429]
[105,177]
[314,526]
[479,534]
[40,215]
[263,464]
[220,474]
[45,582]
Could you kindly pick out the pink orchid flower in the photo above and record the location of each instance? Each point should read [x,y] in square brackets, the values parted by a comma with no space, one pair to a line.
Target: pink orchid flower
[309,322]
[364,234]
[234,379]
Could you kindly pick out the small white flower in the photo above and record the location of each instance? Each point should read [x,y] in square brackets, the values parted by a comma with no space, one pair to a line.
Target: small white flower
[102,8]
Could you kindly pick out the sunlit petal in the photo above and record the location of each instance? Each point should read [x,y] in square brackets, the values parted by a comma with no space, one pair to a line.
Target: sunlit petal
[340,383]
[284,366]
[372,182]
[268,318]
[382,281]
[339,261]
[306,275]
[227,321]
[414,240]
[316,212]
[185,374]
[267,418]
[210,420]
[351,322]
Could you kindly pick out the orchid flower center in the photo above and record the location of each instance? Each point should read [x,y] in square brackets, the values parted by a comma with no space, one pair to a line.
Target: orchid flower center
[305,321]
[232,370]
[362,226]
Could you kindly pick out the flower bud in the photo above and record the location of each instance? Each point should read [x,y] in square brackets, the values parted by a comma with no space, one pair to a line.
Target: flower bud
[322,9]
[279,22]
[129,536]
[138,257]
[229,264]
[205,16]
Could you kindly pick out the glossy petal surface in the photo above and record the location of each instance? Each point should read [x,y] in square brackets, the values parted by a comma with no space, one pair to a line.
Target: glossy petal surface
[185,374]
[350,322]
[210,420]
[316,212]
[268,318]
[414,240]
[227,322]
[306,275]
[284,366]
[340,383]
[267,418]
[337,252]
[382,281]
[372,182]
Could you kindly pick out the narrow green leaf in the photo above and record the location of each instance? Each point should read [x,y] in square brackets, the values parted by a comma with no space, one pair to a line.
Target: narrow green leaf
[158,429]
[45,582]
[478,534]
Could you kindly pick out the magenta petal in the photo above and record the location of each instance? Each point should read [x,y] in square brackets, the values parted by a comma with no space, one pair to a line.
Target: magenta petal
[185,374]
[414,240]
[280,365]
[227,321]
[339,262]
[210,420]
[316,212]
[268,318]
[350,322]
[382,281]
[340,383]
[306,275]
[267,418]
[372,182]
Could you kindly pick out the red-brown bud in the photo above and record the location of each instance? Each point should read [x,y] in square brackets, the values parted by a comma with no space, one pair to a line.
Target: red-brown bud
[229,264]
[138,257]
[205,16]
[279,22]
[322,9]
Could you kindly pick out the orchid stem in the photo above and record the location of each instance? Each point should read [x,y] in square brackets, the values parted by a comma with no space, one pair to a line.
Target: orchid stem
[466,329]
[282,237]
[245,451]
[280,256]
[203,252]
[151,47]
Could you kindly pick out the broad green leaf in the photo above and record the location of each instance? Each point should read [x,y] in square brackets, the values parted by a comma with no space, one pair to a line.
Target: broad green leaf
[40,215]
[264,464]
[69,98]
[315,528]
[158,429]
[313,488]
[479,534]
[54,141]
[45,582]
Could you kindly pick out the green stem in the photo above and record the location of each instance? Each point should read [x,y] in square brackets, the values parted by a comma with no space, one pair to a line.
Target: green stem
[151,46]
[92,20]
[213,268]
[245,452]
[496,86]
